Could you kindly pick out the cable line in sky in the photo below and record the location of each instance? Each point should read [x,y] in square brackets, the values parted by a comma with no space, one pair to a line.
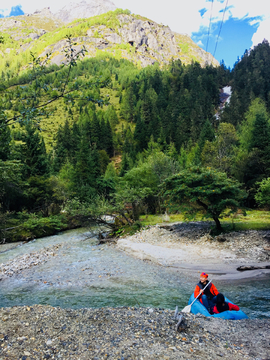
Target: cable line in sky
[221,26]
[209,25]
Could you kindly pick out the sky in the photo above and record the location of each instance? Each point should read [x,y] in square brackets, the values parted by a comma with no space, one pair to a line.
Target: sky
[225,28]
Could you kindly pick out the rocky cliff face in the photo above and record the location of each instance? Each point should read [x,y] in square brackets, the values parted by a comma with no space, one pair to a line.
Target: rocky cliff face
[132,37]
[84,9]
[137,39]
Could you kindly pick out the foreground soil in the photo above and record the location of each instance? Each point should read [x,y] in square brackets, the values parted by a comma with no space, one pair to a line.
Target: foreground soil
[44,332]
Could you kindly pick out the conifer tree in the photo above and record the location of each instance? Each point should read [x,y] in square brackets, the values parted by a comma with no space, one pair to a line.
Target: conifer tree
[207,133]
[74,142]
[109,139]
[260,141]
[5,139]
[140,135]
[86,171]
[33,153]
[96,131]
[62,147]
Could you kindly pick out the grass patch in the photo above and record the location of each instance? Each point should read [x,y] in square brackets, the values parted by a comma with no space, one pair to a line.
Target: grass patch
[147,220]
[253,220]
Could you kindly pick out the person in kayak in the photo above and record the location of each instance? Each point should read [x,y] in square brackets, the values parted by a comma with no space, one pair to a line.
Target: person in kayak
[209,295]
[222,305]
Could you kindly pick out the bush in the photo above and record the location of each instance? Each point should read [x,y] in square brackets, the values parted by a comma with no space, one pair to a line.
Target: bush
[263,194]
[39,227]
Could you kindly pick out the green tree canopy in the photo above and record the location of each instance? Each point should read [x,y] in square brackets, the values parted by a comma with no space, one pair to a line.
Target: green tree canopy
[220,152]
[197,189]
[263,195]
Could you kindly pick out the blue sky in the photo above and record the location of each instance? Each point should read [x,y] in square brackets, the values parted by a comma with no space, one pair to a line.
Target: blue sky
[243,25]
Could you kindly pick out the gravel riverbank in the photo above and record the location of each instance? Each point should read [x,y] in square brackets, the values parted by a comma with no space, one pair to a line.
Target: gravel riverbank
[44,332]
[188,246]
[27,261]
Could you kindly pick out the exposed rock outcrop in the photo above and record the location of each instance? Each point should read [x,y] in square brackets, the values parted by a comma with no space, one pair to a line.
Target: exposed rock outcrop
[132,37]
[139,40]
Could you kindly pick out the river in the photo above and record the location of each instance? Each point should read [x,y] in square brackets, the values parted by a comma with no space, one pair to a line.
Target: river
[84,274]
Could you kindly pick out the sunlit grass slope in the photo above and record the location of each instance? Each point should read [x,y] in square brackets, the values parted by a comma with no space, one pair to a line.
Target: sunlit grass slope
[253,220]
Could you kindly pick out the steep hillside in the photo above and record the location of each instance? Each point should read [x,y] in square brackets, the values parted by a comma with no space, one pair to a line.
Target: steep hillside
[119,33]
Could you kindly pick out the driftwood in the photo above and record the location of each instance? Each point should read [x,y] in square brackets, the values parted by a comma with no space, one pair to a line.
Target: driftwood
[107,241]
[251,267]
[181,324]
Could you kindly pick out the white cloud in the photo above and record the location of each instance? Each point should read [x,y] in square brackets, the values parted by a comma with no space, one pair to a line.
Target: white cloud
[182,16]
[29,6]
[4,12]
[263,32]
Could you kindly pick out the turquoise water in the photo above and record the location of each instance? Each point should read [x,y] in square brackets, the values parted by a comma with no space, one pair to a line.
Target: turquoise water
[84,274]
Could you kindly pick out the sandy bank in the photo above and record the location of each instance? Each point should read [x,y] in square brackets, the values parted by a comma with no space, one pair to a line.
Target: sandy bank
[189,247]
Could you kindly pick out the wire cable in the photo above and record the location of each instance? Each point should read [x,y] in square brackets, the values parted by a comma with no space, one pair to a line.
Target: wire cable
[226,6]
[209,25]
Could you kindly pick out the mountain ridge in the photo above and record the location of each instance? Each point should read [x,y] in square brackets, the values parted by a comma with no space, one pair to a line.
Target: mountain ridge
[118,32]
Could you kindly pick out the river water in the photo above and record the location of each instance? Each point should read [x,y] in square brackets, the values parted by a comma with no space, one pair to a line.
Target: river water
[84,274]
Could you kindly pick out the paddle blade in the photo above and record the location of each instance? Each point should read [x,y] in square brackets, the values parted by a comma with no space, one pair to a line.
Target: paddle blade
[186,309]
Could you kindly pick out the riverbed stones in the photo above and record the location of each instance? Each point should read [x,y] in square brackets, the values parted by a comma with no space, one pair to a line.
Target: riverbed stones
[127,333]
[252,245]
[26,261]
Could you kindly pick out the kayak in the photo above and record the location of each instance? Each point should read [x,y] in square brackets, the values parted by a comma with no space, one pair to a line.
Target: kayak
[198,308]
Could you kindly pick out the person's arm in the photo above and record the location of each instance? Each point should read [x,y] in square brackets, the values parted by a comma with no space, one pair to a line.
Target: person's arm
[233,307]
[196,291]
[214,290]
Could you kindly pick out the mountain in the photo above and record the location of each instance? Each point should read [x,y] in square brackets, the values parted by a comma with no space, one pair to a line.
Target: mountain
[118,32]
[84,9]
[132,37]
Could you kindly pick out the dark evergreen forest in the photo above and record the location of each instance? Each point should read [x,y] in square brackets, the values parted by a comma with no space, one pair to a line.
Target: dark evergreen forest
[128,137]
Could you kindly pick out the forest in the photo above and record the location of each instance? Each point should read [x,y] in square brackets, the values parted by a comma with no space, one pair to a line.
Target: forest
[101,136]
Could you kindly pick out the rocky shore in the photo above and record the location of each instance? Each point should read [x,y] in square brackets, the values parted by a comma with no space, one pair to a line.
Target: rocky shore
[44,332]
[27,261]
[189,246]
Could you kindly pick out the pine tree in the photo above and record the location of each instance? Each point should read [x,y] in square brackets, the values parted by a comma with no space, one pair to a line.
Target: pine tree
[260,141]
[96,131]
[207,133]
[261,133]
[62,150]
[86,171]
[140,135]
[33,153]
[5,139]
[109,139]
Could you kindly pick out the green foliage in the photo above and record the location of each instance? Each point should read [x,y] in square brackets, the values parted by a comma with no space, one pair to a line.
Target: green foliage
[64,148]
[140,185]
[263,194]
[220,153]
[11,183]
[253,160]
[39,226]
[250,81]
[5,138]
[256,109]
[110,172]
[33,153]
[197,189]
